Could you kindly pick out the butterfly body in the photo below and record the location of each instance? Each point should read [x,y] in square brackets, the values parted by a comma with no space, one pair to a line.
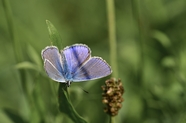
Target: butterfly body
[73,64]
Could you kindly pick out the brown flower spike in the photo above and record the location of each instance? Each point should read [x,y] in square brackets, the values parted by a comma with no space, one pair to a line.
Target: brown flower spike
[112,96]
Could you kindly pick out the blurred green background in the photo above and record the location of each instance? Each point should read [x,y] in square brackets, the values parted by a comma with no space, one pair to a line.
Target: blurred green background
[151,51]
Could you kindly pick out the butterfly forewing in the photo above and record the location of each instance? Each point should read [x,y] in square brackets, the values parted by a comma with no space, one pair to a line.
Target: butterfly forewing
[75,56]
[94,68]
[53,63]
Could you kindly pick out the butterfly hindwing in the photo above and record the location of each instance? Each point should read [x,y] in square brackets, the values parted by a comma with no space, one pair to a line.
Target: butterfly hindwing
[52,71]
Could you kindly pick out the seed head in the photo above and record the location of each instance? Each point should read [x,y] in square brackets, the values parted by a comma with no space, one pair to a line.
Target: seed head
[112,96]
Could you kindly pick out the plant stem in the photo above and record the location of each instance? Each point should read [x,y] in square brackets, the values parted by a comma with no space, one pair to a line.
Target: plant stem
[136,14]
[16,43]
[112,40]
[65,105]
[8,13]
[112,119]
[112,36]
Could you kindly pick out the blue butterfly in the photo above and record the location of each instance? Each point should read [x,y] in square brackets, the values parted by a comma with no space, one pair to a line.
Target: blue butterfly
[73,64]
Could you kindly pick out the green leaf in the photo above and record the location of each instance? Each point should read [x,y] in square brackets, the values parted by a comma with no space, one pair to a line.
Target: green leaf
[162,38]
[27,65]
[54,35]
[13,115]
[168,62]
[66,106]
[4,118]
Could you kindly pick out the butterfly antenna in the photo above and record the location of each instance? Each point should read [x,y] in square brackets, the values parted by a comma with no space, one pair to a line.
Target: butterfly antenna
[84,90]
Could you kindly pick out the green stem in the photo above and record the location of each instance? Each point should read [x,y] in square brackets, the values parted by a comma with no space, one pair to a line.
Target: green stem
[136,14]
[112,119]
[65,105]
[112,40]
[112,36]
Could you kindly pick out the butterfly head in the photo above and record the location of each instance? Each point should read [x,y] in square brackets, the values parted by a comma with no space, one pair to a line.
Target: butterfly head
[68,83]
